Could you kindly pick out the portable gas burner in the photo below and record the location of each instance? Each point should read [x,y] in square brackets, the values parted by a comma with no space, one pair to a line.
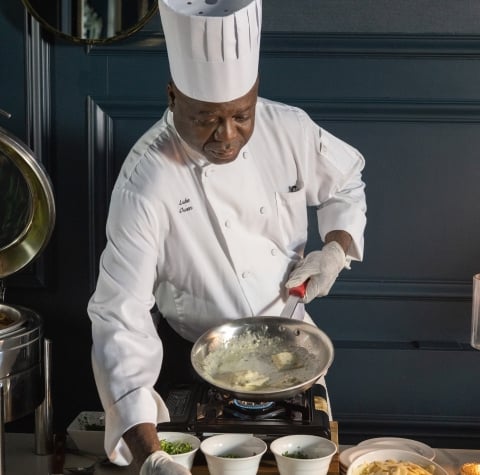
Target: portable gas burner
[204,410]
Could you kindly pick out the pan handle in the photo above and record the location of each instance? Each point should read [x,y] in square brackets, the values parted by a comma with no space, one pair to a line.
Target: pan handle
[299,290]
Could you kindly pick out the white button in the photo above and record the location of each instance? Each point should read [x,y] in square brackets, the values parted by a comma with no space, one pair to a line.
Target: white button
[245,155]
[262,210]
[245,275]
[273,252]
[228,224]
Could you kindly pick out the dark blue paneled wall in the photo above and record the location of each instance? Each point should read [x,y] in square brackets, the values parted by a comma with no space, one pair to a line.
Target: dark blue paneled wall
[398,80]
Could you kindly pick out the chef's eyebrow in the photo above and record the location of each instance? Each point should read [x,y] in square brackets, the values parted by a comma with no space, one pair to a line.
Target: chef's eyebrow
[206,112]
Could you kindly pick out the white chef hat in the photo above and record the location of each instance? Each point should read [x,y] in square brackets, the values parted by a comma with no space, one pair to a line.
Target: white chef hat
[213,46]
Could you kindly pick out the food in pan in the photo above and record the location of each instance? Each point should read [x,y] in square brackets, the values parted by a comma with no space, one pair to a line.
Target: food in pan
[253,363]
[393,467]
[249,379]
[286,360]
[244,379]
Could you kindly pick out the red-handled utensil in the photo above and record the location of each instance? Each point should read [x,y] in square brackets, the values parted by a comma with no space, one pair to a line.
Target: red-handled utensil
[294,295]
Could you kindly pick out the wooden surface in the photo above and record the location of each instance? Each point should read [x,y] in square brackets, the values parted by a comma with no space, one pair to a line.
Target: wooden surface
[269,467]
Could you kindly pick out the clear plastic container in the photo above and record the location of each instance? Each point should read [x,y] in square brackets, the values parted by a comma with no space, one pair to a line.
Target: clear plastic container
[475,338]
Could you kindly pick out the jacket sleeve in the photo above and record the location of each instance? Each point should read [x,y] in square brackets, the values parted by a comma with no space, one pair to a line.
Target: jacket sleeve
[334,185]
[127,352]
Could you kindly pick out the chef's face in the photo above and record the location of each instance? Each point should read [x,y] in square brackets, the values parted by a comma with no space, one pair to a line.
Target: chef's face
[217,130]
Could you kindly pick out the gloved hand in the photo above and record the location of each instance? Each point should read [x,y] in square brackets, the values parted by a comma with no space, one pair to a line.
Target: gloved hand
[321,267]
[160,463]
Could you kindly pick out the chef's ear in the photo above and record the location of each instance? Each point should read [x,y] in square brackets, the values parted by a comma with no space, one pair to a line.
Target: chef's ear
[171,95]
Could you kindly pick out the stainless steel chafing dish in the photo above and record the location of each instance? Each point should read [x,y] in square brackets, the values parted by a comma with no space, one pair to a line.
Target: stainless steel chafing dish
[27,215]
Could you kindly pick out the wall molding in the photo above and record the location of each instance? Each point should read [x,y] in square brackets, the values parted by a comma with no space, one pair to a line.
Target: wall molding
[102,112]
[370,44]
[436,431]
[143,42]
[367,109]
[313,44]
[39,127]
[101,116]
[392,345]
[407,289]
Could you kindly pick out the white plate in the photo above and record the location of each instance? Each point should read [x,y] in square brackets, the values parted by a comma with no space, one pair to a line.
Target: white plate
[347,456]
[401,443]
[389,453]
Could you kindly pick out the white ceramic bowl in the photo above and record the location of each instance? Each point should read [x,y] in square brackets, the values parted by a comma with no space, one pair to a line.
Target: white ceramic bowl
[87,431]
[186,459]
[233,454]
[318,450]
[381,455]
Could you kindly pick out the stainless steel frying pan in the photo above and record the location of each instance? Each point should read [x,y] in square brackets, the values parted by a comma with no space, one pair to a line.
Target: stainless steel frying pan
[262,358]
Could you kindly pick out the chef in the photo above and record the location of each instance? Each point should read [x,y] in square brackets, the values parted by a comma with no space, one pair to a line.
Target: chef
[208,217]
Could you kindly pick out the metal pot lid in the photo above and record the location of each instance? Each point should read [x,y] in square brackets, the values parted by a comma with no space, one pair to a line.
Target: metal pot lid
[27,206]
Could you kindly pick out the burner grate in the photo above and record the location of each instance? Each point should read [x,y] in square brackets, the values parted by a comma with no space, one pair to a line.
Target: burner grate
[252,405]
[246,410]
[224,407]
[205,410]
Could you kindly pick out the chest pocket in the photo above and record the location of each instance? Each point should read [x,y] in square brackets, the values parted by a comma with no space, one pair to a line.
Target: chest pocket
[293,218]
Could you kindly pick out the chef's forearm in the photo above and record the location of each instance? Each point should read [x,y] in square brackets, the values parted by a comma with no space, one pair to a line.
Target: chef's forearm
[142,440]
[342,237]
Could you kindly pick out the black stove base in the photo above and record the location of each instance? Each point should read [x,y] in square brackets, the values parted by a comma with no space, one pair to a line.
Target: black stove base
[200,409]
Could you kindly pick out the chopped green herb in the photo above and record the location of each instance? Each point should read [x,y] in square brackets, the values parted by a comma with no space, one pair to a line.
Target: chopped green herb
[298,454]
[90,422]
[235,456]
[176,447]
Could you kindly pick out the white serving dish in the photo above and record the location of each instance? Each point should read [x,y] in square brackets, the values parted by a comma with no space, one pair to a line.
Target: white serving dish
[186,459]
[318,450]
[233,454]
[381,455]
[84,433]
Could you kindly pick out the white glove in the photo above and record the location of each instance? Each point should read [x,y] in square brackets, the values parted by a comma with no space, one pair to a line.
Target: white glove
[160,463]
[321,267]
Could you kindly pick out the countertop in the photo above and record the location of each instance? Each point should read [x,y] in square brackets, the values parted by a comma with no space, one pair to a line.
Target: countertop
[21,460]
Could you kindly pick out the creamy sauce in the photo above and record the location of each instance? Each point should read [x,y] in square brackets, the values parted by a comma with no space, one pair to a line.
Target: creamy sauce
[248,362]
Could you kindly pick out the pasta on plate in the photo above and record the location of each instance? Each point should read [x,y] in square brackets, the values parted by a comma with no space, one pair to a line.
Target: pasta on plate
[393,467]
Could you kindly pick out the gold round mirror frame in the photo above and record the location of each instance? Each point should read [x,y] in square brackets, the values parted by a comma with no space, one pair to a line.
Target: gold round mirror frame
[41,17]
[33,238]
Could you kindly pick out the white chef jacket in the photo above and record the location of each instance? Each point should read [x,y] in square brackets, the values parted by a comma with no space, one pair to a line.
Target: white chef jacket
[208,243]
